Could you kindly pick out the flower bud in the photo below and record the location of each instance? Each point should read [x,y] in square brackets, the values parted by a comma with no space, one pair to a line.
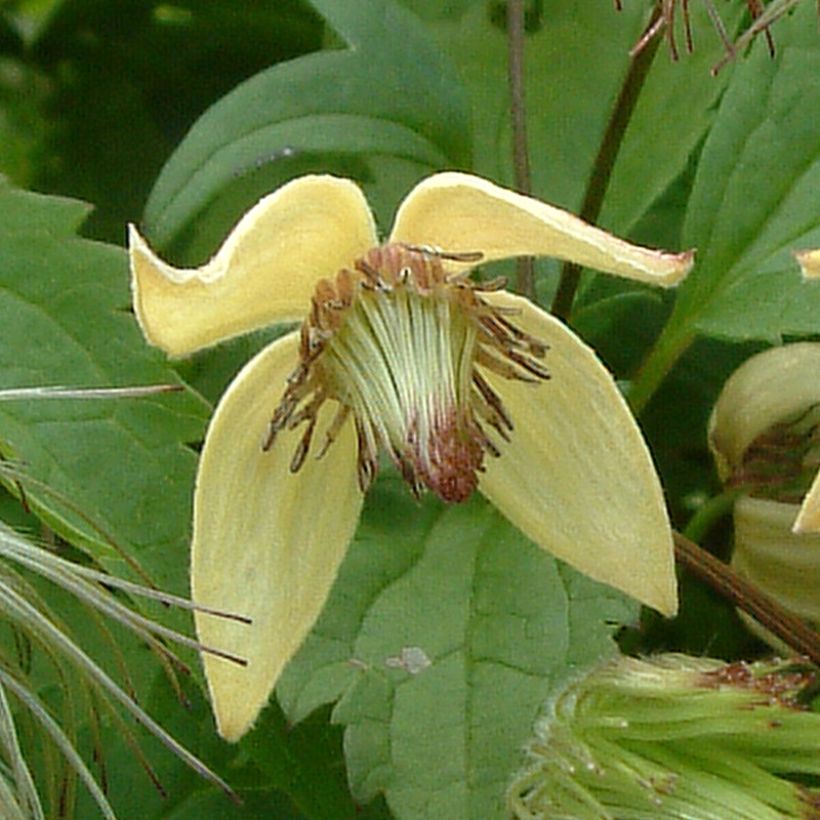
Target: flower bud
[764,434]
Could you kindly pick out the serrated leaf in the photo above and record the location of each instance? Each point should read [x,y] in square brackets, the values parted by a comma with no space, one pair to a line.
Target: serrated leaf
[388,92]
[442,637]
[64,321]
[754,201]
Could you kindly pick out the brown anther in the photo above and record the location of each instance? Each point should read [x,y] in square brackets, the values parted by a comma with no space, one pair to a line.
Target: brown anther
[373,277]
[529,364]
[301,451]
[501,367]
[335,427]
[493,400]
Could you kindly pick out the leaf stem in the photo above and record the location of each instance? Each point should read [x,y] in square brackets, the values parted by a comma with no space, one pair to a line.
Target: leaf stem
[525,284]
[605,161]
[794,632]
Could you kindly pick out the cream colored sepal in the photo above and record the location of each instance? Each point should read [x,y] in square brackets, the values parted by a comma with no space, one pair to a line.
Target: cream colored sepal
[460,213]
[265,271]
[784,565]
[267,543]
[808,518]
[576,476]
[773,387]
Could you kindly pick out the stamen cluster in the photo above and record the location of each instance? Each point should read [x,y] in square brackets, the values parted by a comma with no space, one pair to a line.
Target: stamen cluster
[401,342]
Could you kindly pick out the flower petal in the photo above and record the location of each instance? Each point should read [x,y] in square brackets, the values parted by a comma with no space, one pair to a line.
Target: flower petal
[265,271]
[459,212]
[808,518]
[267,543]
[809,262]
[779,562]
[769,388]
[576,476]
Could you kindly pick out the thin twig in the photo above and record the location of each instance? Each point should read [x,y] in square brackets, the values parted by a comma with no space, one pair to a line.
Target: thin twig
[518,112]
[605,161]
[794,632]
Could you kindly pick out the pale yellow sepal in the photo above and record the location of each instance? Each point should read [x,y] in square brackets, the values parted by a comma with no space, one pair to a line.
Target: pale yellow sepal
[267,543]
[808,519]
[809,262]
[265,271]
[459,212]
[770,388]
[576,476]
[782,563]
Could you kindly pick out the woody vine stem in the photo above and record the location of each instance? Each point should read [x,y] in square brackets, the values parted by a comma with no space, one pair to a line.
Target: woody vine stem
[518,112]
[799,636]
[601,173]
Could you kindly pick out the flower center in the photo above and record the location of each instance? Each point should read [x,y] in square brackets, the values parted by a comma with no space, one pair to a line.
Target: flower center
[399,343]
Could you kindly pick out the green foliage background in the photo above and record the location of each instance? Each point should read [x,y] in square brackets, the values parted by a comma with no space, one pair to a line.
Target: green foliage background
[178,116]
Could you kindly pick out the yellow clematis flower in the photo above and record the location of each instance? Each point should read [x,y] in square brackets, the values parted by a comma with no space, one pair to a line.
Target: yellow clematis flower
[398,350]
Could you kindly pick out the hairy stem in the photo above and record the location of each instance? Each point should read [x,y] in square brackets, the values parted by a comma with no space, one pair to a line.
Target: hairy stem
[605,161]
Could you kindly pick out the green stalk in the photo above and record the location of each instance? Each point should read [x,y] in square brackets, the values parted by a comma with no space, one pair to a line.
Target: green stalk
[671,345]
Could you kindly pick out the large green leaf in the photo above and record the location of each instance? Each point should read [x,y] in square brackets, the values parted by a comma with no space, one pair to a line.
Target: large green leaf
[442,637]
[124,463]
[755,200]
[388,92]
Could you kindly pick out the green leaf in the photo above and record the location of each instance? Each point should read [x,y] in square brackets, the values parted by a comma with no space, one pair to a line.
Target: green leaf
[754,201]
[675,109]
[442,638]
[140,74]
[388,92]
[576,57]
[124,462]
[304,761]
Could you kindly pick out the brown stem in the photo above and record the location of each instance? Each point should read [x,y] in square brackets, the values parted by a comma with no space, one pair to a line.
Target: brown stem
[518,112]
[794,632]
[605,160]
